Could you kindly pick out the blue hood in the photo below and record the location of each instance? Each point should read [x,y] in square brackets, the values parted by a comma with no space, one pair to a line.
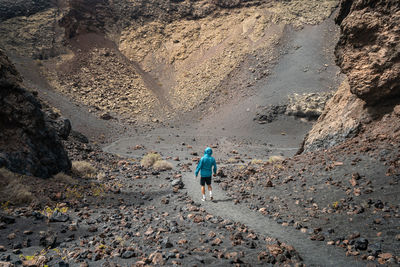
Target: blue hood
[208,151]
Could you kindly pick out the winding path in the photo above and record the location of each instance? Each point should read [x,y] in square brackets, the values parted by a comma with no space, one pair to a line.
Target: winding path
[232,128]
[314,253]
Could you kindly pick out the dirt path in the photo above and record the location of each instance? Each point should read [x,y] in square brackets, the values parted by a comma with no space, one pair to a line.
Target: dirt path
[307,66]
[312,252]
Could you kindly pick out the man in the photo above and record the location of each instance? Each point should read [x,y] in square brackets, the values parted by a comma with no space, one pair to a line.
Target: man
[205,167]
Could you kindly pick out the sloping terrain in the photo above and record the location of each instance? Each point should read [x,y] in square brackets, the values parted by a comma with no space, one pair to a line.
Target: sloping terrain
[368,52]
[171,56]
[27,144]
[177,76]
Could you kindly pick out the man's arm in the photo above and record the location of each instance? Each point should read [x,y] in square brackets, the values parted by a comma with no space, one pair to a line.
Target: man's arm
[215,167]
[198,167]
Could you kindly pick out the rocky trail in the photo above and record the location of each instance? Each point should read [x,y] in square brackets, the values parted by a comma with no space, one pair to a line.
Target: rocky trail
[302,68]
[148,85]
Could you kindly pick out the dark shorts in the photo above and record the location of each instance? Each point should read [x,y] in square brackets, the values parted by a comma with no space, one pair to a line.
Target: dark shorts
[205,180]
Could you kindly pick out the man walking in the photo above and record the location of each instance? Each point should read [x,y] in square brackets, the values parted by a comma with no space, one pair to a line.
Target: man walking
[205,168]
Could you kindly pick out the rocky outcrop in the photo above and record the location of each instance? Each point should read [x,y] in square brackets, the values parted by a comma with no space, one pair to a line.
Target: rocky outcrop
[27,144]
[368,51]
[339,121]
[88,16]
[14,8]
[307,105]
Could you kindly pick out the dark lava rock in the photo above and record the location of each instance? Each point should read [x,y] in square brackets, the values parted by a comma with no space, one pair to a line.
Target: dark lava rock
[127,254]
[48,239]
[60,124]
[63,264]
[177,183]
[375,249]
[361,244]
[79,137]
[379,204]
[166,243]
[13,8]
[270,113]
[27,145]
[106,116]
[59,217]
[7,219]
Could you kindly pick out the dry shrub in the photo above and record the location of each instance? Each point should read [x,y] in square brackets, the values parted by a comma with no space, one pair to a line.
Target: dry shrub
[13,189]
[101,176]
[274,159]
[64,178]
[162,165]
[83,169]
[256,161]
[149,159]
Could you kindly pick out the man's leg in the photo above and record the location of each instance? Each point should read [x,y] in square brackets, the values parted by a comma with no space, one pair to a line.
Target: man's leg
[210,190]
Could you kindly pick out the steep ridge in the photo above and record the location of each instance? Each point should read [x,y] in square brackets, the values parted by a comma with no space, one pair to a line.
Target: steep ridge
[27,144]
[187,50]
[368,53]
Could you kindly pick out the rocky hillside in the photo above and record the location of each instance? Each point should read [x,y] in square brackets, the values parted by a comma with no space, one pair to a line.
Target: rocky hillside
[163,57]
[368,52]
[27,144]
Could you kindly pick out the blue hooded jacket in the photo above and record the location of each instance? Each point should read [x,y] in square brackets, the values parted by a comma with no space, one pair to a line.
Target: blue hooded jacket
[205,164]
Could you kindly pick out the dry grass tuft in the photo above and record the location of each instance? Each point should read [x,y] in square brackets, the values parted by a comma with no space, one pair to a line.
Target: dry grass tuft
[64,178]
[162,165]
[83,169]
[274,159]
[13,189]
[149,159]
[257,161]
[101,176]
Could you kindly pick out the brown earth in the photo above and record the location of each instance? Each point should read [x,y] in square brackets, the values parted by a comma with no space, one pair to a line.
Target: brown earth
[179,53]
[344,195]
[368,53]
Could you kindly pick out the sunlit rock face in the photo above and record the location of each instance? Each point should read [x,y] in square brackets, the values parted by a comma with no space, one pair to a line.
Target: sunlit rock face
[368,52]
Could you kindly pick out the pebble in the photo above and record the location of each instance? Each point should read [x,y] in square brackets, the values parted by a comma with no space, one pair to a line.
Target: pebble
[127,254]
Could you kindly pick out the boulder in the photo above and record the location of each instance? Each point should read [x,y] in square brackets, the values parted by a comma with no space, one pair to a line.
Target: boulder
[307,105]
[368,50]
[27,144]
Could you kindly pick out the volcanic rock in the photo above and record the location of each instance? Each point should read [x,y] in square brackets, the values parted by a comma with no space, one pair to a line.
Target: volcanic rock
[368,53]
[368,49]
[27,144]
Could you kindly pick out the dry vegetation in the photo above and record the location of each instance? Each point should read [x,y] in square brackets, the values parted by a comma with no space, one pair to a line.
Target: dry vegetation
[162,165]
[149,159]
[64,178]
[155,161]
[13,188]
[83,169]
[274,159]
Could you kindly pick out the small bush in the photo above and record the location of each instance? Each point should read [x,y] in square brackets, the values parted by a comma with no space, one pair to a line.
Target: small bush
[101,176]
[83,169]
[274,159]
[256,161]
[162,165]
[149,160]
[64,178]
